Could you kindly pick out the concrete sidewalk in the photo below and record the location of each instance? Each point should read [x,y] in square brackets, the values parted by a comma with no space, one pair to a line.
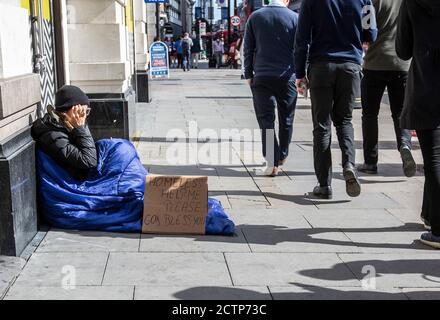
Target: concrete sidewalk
[287,245]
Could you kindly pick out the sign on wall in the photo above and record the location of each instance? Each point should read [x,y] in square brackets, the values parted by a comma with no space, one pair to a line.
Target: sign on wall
[235,21]
[202,28]
[159,62]
[225,13]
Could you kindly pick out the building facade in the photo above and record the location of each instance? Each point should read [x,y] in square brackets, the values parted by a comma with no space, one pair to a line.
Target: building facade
[100,46]
[180,16]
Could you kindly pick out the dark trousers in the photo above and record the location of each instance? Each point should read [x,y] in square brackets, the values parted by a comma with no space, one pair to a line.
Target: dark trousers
[430,145]
[333,89]
[373,88]
[186,65]
[268,94]
[180,60]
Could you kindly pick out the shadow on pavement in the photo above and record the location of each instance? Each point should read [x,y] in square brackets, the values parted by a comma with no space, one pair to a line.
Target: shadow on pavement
[273,235]
[428,268]
[296,291]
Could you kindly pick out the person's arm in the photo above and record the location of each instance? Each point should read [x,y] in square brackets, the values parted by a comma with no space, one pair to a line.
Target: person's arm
[79,150]
[404,39]
[249,50]
[303,38]
[369,23]
[76,151]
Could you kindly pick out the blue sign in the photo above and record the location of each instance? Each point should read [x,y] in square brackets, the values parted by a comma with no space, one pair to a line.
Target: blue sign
[159,62]
[198,13]
[225,13]
[156,1]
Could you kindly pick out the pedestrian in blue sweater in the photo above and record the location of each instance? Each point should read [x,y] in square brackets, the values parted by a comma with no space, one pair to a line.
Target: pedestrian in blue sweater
[269,68]
[329,39]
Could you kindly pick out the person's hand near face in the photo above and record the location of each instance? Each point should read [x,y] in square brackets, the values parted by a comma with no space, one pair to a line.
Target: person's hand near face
[75,117]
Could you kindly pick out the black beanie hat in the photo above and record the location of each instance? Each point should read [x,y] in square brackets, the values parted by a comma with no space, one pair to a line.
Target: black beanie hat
[69,96]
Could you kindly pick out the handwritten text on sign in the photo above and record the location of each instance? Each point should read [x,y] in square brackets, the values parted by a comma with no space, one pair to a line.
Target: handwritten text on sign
[175,205]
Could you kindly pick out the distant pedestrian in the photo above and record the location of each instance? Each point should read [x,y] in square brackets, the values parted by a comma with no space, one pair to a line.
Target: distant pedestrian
[195,52]
[169,44]
[269,69]
[179,53]
[186,45]
[330,36]
[233,54]
[240,58]
[174,61]
[384,70]
[418,38]
[218,50]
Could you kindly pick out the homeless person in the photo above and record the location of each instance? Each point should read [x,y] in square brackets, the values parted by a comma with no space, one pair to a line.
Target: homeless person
[83,185]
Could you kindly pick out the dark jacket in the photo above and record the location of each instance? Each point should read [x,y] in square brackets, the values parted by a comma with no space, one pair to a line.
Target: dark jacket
[333,30]
[269,43]
[196,46]
[418,37]
[381,55]
[74,151]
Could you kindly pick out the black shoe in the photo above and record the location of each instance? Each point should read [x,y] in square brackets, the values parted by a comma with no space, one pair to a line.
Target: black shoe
[409,165]
[431,240]
[323,192]
[367,168]
[353,185]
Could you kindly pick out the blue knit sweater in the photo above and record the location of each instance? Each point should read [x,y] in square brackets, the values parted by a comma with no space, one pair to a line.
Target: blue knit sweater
[333,30]
[269,43]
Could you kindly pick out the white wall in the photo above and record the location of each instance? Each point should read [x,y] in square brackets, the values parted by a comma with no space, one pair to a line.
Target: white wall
[98,46]
[15,42]
[140,16]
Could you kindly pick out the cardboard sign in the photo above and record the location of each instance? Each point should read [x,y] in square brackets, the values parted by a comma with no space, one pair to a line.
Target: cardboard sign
[175,205]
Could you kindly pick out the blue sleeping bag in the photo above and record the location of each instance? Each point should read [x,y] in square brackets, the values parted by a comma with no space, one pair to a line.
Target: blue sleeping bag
[112,197]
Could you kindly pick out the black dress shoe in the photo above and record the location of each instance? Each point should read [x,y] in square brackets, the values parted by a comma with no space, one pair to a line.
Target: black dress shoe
[367,168]
[323,192]
[352,183]
[409,164]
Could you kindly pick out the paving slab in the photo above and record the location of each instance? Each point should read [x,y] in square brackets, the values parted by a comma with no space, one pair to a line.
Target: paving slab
[408,200]
[394,241]
[213,293]
[88,241]
[278,217]
[422,293]
[283,269]
[402,270]
[407,215]
[164,243]
[369,201]
[334,293]
[247,201]
[355,220]
[23,292]
[274,239]
[167,269]
[10,268]
[54,269]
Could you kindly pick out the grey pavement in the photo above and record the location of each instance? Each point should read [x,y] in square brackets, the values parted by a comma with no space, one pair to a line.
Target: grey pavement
[287,245]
